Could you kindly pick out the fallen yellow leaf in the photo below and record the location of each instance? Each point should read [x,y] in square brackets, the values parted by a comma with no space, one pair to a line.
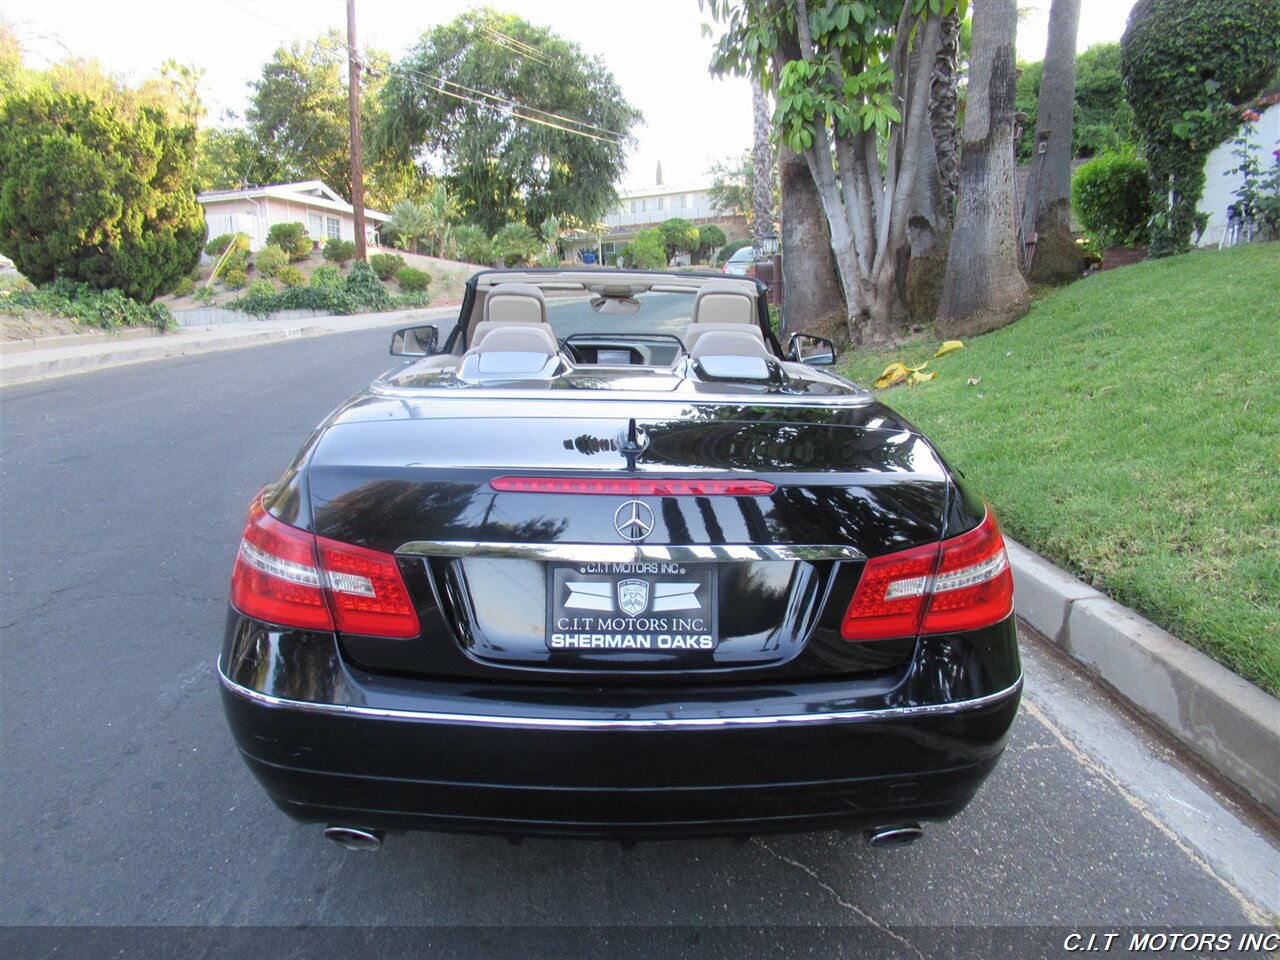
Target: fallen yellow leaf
[919,377]
[894,373]
[948,347]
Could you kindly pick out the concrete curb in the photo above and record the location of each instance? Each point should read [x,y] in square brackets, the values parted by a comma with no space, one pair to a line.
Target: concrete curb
[43,368]
[61,356]
[1224,720]
[78,339]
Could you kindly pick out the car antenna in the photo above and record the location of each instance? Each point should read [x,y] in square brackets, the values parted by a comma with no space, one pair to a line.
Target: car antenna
[633,443]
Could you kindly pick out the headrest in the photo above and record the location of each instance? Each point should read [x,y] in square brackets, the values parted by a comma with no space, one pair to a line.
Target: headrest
[519,339]
[725,343]
[522,349]
[723,303]
[696,331]
[515,303]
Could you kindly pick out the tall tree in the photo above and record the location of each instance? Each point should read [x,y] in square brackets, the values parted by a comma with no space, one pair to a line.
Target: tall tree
[519,122]
[761,168]
[812,301]
[944,104]
[843,78]
[297,128]
[1047,207]
[984,287]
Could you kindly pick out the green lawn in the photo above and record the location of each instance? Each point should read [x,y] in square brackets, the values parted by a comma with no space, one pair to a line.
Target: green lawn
[1128,428]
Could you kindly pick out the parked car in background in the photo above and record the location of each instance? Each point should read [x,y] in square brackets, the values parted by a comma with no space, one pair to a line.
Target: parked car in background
[742,263]
[621,565]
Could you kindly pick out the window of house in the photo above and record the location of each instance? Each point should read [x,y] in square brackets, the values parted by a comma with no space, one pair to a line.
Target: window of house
[680,201]
[333,228]
[659,201]
[315,226]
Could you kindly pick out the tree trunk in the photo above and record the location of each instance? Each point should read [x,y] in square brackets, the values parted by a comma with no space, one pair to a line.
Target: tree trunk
[984,287]
[811,297]
[922,256]
[943,104]
[762,166]
[1048,207]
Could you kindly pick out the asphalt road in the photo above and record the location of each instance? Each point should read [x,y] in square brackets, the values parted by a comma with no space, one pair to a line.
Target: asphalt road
[122,495]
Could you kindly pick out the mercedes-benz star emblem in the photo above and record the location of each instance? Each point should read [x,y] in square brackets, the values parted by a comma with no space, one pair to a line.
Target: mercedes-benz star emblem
[633,520]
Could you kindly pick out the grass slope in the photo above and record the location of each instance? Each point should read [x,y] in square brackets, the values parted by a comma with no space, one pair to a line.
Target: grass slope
[1128,428]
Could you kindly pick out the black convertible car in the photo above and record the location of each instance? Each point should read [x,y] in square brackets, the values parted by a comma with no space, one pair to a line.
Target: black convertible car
[607,560]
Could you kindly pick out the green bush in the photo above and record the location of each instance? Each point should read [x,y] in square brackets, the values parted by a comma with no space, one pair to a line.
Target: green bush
[206,295]
[1111,195]
[97,185]
[261,286]
[234,278]
[472,244]
[326,277]
[270,259]
[339,251]
[218,244]
[679,236]
[335,301]
[1187,65]
[710,238]
[186,286]
[515,243]
[385,265]
[729,249]
[411,280]
[365,287]
[107,309]
[292,238]
[647,250]
[291,276]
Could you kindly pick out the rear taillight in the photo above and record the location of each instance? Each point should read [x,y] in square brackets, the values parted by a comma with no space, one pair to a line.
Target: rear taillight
[634,486]
[290,577]
[960,584]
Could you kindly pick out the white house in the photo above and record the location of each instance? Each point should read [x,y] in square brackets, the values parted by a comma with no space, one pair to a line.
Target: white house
[639,209]
[1220,183]
[255,210]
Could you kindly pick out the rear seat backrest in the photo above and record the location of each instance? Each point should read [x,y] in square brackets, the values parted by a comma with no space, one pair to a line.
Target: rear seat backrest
[508,305]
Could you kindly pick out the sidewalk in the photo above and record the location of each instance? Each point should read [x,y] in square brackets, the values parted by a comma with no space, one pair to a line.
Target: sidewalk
[26,360]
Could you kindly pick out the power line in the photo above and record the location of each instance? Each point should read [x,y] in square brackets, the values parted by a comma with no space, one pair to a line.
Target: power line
[434,82]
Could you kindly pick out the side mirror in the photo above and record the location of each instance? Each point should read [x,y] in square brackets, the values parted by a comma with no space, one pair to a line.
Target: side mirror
[814,350]
[415,341]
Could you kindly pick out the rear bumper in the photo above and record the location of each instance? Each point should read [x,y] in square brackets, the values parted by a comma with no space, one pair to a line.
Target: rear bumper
[332,745]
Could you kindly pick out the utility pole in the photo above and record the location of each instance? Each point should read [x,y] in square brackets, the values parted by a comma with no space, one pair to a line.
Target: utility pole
[353,104]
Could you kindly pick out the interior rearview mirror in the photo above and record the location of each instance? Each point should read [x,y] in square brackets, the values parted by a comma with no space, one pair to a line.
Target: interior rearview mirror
[415,341]
[811,349]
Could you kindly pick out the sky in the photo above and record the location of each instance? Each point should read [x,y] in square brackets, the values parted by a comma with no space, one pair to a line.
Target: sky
[655,49]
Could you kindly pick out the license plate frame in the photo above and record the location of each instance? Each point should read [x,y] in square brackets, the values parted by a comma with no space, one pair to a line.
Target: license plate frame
[647,607]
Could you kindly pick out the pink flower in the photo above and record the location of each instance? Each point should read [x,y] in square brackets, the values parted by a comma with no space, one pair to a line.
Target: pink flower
[1250,116]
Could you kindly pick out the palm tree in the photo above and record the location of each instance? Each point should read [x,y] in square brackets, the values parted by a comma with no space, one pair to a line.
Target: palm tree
[410,223]
[442,214]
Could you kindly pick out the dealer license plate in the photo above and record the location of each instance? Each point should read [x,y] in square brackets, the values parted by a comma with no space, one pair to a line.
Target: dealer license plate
[631,607]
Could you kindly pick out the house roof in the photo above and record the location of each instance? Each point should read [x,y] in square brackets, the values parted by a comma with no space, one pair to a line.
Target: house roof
[662,190]
[311,193]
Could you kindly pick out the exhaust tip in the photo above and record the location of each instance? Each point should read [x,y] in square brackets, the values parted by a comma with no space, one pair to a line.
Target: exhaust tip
[897,835]
[354,838]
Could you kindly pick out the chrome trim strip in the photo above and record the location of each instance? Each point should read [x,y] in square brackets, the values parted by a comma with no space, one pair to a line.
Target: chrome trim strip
[566,723]
[629,553]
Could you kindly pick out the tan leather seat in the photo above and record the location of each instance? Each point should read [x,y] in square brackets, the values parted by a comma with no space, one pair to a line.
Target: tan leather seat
[510,304]
[721,307]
